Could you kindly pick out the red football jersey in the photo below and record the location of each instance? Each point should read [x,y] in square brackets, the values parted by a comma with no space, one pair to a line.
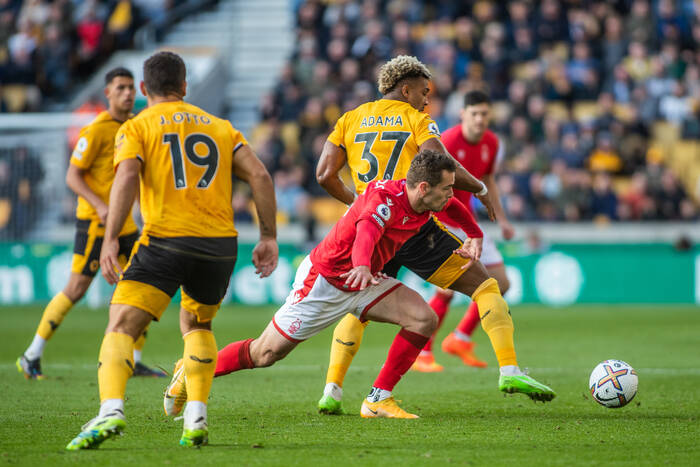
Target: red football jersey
[385,203]
[479,159]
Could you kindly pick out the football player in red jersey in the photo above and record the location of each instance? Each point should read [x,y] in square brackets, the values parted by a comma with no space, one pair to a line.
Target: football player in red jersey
[343,275]
[475,147]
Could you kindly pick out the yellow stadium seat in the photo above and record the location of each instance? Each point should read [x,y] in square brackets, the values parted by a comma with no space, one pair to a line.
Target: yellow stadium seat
[557,110]
[327,211]
[5,211]
[15,97]
[586,110]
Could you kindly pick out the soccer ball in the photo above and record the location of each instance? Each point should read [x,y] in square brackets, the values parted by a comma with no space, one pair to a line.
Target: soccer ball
[613,383]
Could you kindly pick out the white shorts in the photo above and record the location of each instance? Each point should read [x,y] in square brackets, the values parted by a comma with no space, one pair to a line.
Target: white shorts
[314,304]
[490,256]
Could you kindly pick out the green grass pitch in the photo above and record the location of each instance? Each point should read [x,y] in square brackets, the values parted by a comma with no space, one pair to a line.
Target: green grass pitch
[268,416]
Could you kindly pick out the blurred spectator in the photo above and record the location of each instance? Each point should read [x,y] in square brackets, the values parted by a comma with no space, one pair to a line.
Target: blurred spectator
[603,199]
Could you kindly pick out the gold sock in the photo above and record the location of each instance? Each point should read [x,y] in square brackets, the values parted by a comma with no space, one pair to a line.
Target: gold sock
[496,321]
[141,341]
[116,365]
[347,338]
[200,363]
[55,311]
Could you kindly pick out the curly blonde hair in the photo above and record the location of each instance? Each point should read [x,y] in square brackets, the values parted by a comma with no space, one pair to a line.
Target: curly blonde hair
[399,68]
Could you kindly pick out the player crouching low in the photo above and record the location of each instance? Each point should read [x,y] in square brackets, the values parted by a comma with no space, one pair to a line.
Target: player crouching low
[342,275]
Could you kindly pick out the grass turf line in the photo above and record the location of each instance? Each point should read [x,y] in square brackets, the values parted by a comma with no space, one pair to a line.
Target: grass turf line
[268,416]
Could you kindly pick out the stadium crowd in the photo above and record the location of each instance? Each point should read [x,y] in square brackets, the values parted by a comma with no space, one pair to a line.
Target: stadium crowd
[577,88]
[47,47]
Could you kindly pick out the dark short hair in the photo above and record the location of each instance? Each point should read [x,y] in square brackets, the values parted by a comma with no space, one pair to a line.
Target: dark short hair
[476,97]
[118,71]
[164,73]
[427,166]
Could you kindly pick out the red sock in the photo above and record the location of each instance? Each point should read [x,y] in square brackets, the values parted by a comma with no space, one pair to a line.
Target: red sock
[440,303]
[402,354]
[234,357]
[470,320]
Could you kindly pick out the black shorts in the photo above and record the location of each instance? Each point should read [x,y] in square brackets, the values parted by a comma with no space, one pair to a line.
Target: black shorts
[202,277]
[89,235]
[429,255]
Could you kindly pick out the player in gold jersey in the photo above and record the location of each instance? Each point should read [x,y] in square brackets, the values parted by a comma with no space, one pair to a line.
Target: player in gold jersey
[378,140]
[90,176]
[184,159]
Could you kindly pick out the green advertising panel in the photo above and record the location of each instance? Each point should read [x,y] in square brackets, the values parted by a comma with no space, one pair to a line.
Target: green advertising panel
[561,275]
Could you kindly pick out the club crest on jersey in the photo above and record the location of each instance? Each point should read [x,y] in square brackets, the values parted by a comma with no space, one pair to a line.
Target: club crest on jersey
[406,219]
[460,154]
[484,153]
[294,327]
[389,202]
[433,129]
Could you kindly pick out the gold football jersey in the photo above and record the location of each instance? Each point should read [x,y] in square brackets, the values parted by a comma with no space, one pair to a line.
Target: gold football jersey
[381,138]
[187,165]
[94,153]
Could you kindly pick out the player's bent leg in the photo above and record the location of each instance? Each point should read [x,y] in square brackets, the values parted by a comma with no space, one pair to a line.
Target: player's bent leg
[498,325]
[199,362]
[114,369]
[418,321]
[347,338]
[30,362]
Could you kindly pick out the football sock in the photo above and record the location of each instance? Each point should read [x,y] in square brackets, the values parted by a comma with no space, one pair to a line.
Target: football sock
[36,348]
[333,390]
[440,303]
[347,338]
[469,321]
[234,357]
[55,311]
[195,413]
[376,394]
[510,370]
[200,362]
[138,345]
[109,406]
[496,321]
[402,354]
[115,366]
[461,336]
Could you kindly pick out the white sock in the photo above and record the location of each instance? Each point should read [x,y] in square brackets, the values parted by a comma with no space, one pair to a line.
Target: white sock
[36,348]
[376,395]
[333,390]
[425,353]
[511,370]
[195,414]
[461,336]
[137,356]
[110,406]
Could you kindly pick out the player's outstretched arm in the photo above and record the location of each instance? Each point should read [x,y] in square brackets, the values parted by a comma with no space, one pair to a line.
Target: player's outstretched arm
[75,179]
[333,158]
[251,170]
[463,179]
[121,199]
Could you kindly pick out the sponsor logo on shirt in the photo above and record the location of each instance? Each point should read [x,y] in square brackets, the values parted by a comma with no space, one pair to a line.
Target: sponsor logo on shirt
[406,219]
[433,129]
[384,211]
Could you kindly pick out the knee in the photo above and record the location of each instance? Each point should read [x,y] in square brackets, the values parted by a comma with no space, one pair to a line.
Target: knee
[426,322]
[503,284]
[75,290]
